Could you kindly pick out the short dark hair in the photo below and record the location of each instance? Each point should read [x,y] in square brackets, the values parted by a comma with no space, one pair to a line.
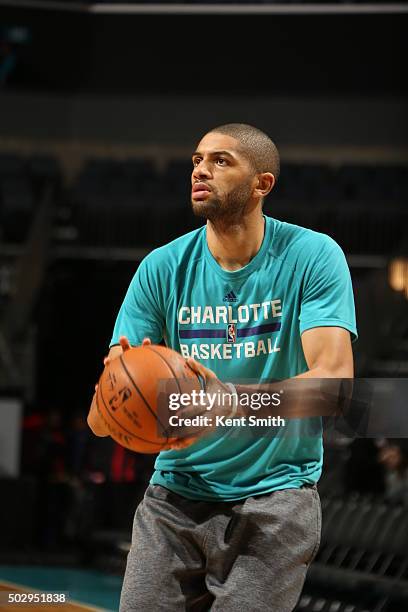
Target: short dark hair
[256,145]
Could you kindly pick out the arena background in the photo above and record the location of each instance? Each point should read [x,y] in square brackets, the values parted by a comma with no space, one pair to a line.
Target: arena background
[100,108]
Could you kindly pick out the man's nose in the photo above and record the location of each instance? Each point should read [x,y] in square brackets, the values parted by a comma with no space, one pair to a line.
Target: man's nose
[201,170]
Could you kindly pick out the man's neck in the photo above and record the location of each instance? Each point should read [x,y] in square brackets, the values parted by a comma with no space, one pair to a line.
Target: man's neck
[233,246]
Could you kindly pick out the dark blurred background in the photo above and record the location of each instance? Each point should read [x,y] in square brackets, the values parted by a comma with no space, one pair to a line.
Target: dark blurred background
[99,114]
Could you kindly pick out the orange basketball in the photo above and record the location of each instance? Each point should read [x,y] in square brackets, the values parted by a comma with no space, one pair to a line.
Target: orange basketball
[128,392]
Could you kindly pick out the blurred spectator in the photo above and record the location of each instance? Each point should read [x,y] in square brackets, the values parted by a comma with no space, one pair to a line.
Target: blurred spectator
[7,61]
[78,443]
[378,468]
[44,445]
[54,494]
[75,520]
[393,455]
[56,456]
[363,472]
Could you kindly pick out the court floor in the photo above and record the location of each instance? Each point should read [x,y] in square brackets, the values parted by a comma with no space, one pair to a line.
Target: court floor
[87,590]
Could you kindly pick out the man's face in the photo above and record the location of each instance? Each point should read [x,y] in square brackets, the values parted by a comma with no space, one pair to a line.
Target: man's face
[222,179]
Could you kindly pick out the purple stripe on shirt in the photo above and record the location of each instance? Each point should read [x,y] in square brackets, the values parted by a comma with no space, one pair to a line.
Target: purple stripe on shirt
[260,329]
[202,333]
[221,333]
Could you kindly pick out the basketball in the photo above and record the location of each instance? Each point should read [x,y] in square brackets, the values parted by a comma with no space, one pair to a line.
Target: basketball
[128,393]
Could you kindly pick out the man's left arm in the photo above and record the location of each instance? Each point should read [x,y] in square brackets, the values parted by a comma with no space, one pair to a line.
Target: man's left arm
[328,353]
[329,357]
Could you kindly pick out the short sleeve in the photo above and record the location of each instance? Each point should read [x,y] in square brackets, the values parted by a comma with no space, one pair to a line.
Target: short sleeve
[140,314]
[327,296]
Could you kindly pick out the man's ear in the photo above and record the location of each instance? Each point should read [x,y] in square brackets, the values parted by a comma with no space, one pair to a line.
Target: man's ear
[266,182]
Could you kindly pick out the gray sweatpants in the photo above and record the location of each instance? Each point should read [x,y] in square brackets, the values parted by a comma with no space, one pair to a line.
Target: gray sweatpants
[249,555]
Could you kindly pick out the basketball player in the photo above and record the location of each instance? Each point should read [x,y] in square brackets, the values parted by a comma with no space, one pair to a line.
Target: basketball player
[232,523]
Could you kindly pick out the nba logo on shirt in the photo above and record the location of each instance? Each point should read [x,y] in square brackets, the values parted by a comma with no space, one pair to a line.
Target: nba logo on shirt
[231,333]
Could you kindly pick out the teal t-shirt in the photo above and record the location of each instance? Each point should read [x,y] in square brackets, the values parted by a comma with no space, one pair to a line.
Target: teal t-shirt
[245,324]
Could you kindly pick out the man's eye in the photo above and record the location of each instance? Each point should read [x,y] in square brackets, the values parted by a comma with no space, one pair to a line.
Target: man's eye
[221,161]
[196,161]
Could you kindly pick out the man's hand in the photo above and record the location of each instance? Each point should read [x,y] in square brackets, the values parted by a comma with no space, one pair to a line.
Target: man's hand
[94,421]
[209,406]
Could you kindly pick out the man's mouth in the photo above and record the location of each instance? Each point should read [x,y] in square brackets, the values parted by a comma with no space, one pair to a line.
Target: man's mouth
[200,191]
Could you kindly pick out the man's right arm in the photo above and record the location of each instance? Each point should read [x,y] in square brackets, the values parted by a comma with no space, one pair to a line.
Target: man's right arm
[94,420]
[141,314]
